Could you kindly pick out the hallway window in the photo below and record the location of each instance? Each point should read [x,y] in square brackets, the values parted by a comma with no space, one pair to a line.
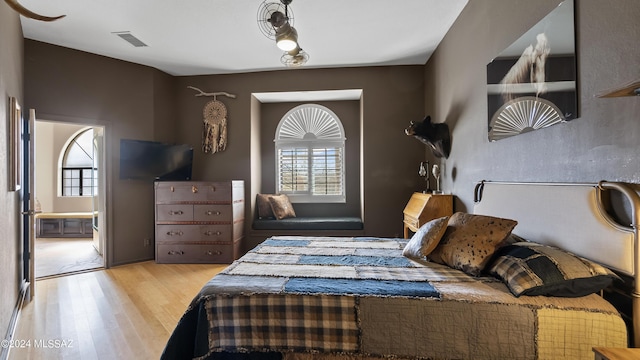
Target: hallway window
[79,175]
[310,163]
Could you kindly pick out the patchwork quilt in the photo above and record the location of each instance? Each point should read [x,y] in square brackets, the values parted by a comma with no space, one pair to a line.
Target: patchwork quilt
[359,297]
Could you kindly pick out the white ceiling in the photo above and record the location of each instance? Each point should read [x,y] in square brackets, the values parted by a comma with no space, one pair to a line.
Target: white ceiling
[199,37]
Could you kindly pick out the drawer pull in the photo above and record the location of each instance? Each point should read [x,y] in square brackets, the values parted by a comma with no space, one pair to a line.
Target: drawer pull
[194,189]
[209,232]
[209,252]
[173,189]
[212,212]
[174,252]
[172,233]
[179,212]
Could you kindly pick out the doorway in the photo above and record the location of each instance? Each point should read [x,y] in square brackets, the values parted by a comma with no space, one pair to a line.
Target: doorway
[70,192]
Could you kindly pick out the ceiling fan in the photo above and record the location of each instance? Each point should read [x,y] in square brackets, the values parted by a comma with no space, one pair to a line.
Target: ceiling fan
[28,13]
[273,15]
[275,20]
[294,58]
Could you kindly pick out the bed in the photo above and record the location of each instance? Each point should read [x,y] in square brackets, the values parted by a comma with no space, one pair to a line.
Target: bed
[363,297]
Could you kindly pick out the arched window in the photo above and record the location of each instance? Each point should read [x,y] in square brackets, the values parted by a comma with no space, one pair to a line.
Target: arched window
[310,164]
[79,177]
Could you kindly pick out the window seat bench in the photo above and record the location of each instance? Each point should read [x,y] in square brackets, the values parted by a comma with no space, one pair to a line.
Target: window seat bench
[263,229]
[309,223]
[67,224]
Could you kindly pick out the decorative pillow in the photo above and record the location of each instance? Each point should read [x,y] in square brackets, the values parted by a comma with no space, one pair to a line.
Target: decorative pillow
[535,269]
[281,206]
[264,206]
[426,238]
[471,240]
[512,239]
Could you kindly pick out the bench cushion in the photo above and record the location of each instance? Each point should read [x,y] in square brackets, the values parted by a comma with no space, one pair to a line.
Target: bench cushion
[310,223]
[65,215]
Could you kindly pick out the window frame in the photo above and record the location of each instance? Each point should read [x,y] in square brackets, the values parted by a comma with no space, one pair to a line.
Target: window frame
[93,188]
[306,142]
[81,187]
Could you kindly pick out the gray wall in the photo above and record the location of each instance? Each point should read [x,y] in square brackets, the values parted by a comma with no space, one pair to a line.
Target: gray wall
[137,102]
[131,102]
[392,96]
[11,84]
[602,143]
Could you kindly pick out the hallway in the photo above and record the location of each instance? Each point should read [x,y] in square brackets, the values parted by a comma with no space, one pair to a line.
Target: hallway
[56,256]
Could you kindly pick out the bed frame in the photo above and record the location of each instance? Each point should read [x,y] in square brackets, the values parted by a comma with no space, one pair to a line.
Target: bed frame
[575,217]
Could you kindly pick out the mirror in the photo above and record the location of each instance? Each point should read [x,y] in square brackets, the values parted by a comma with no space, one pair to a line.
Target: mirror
[532,83]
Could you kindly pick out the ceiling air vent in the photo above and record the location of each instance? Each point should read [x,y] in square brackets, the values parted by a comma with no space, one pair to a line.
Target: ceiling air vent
[127,36]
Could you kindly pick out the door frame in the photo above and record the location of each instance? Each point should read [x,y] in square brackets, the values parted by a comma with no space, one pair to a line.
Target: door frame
[28,208]
[104,175]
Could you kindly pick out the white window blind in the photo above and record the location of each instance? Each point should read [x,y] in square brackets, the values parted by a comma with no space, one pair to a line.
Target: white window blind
[310,160]
[327,171]
[294,169]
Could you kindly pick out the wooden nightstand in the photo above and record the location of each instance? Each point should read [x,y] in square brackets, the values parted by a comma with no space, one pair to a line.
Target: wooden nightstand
[423,208]
[602,353]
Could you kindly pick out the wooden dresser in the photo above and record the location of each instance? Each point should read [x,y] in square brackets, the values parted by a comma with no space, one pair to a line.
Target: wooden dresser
[602,353]
[199,222]
[423,208]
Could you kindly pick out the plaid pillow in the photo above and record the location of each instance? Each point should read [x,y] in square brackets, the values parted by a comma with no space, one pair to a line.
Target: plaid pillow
[535,269]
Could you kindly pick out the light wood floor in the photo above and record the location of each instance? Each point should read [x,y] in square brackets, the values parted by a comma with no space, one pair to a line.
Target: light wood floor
[126,312]
[55,256]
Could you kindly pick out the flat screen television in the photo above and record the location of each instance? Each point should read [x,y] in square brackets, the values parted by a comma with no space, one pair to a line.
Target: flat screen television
[152,160]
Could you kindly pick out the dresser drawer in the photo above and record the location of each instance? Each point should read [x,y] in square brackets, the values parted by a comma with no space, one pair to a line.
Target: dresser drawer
[194,253]
[177,233]
[193,233]
[411,222]
[215,233]
[179,192]
[217,191]
[218,213]
[174,212]
[200,192]
[193,192]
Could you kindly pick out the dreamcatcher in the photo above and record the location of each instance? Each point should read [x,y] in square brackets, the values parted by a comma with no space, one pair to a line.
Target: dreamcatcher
[214,127]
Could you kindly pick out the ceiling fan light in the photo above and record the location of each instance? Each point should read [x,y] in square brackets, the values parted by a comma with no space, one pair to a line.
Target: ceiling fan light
[287,45]
[287,37]
[294,51]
